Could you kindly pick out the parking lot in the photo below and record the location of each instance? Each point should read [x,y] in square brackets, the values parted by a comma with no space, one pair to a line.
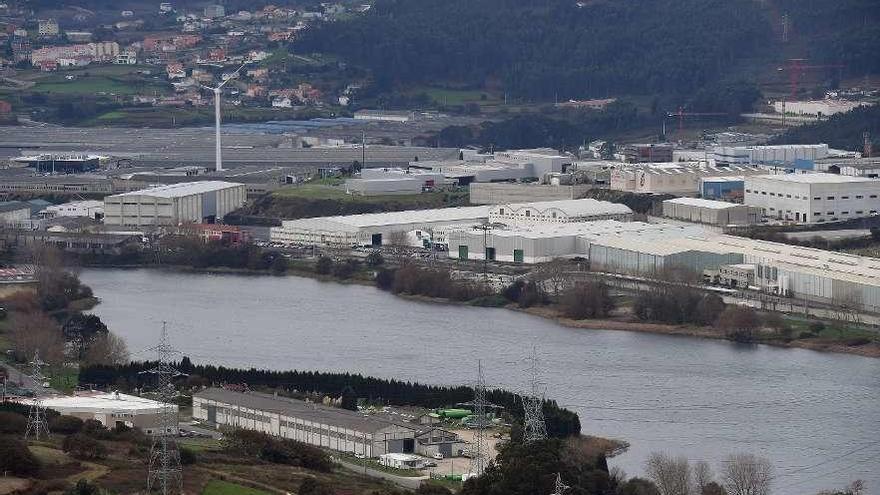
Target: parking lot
[461,465]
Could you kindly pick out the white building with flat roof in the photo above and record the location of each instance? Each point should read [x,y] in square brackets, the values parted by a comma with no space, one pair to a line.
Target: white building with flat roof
[175,204]
[562,211]
[87,208]
[777,154]
[813,198]
[707,211]
[112,409]
[672,178]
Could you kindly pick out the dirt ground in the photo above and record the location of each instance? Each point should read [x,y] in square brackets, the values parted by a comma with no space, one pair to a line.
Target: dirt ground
[461,465]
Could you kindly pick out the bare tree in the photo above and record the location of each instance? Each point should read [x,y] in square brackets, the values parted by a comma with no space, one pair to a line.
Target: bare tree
[398,241]
[672,475]
[553,276]
[107,348]
[36,331]
[747,474]
[702,474]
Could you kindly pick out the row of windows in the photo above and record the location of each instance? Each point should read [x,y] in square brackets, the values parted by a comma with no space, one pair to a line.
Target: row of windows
[858,212]
[815,198]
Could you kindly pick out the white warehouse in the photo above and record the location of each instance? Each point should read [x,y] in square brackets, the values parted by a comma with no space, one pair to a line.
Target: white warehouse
[563,211]
[175,204]
[711,212]
[813,198]
[112,409]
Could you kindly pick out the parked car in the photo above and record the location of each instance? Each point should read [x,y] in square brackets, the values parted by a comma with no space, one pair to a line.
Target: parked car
[437,455]
[359,455]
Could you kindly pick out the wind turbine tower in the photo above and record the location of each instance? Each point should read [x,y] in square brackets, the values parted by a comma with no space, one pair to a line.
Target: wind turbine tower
[218,91]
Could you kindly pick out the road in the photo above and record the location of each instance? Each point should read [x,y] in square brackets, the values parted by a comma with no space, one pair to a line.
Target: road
[408,482]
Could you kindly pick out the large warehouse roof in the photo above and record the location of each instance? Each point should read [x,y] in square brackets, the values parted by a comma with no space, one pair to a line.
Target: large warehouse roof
[597,229]
[702,203]
[101,401]
[309,411]
[182,189]
[354,222]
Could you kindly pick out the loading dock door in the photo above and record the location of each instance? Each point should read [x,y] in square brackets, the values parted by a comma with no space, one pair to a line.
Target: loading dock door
[212,414]
[463,252]
[518,256]
[490,253]
[376,240]
[409,445]
[445,449]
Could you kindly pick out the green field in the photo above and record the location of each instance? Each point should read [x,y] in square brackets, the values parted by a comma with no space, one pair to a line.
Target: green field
[98,84]
[217,487]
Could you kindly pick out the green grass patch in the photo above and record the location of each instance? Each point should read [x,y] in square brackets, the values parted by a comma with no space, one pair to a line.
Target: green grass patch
[830,331]
[90,85]
[443,96]
[218,487]
[200,444]
[64,379]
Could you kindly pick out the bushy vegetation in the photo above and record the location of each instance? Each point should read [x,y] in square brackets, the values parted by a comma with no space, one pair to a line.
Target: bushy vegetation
[560,422]
[678,305]
[587,300]
[842,131]
[84,447]
[254,444]
[66,425]
[16,459]
[434,282]
[549,49]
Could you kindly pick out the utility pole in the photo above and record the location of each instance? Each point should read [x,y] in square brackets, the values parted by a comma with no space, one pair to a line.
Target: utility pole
[164,472]
[534,427]
[36,424]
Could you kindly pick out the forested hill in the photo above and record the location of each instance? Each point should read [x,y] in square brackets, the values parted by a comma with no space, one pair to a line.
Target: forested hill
[550,48]
[842,131]
[593,48]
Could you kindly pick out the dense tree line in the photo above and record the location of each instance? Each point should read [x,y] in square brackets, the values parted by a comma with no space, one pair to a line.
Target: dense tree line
[560,422]
[416,280]
[555,48]
[841,131]
[258,445]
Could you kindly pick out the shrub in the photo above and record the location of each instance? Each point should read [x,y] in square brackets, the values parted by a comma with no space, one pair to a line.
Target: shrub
[587,300]
[375,259]
[806,335]
[346,269]
[858,341]
[66,425]
[188,456]
[83,487]
[12,423]
[324,265]
[312,486]
[816,326]
[96,429]
[16,458]
[385,278]
[83,447]
[258,445]
[278,266]
[739,323]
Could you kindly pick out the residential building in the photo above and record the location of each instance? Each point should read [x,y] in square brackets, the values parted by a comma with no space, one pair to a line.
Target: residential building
[813,198]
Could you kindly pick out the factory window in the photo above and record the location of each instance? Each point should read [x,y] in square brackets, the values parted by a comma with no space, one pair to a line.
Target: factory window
[844,213]
[873,212]
[501,211]
[831,213]
[748,190]
[859,196]
[873,196]
[528,213]
[764,193]
[844,197]
[859,212]
[788,195]
[772,194]
[553,214]
[830,197]
[818,214]
[817,198]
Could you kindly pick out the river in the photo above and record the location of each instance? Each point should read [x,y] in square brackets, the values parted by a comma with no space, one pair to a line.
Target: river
[815,415]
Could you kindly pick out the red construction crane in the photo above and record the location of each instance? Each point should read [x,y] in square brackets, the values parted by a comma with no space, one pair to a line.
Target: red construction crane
[796,68]
[681,114]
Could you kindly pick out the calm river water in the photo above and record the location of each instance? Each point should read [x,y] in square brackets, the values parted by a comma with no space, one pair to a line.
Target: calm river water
[816,416]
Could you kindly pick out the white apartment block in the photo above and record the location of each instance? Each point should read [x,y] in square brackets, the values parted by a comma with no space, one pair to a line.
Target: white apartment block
[813,198]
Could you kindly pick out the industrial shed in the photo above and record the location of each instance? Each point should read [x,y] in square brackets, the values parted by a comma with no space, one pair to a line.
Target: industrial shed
[711,212]
[563,211]
[375,229]
[186,202]
[323,426]
[112,409]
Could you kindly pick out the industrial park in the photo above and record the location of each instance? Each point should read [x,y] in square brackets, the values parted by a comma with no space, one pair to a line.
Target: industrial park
[439,248]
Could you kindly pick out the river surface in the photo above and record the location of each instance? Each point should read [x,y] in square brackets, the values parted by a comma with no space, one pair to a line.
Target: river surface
[815,415]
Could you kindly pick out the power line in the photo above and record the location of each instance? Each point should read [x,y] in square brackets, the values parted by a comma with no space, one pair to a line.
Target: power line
[826,461]
[36,424]
[165,473]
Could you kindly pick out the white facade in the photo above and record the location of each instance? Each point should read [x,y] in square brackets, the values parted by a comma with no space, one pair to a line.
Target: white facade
[672,178]
[383,116]
[813,198]
[384,186]
[816,108]
[402,461]
[111,409]
[486,193]
[91,209]
[188,202]
[543,161]
[565,211]
[784,154]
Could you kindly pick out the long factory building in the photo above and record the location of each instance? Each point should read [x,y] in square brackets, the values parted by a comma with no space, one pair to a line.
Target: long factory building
[323,426]
[375,229]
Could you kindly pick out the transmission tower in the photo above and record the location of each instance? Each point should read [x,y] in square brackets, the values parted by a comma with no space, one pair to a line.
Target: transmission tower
[36,425]
[560,487]
[478,459]
[534,427]
[164,473]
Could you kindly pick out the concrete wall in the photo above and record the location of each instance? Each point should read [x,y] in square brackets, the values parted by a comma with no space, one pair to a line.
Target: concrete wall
[813,203]
[482,193]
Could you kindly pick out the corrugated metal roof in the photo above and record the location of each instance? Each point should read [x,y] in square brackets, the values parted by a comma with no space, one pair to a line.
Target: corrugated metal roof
[181,189]
[332,416]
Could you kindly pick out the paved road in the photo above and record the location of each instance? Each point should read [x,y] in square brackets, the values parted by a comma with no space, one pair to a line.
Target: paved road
[409,482]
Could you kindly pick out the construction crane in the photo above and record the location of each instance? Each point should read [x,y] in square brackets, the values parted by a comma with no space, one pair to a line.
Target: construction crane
[681,114]
[796,68]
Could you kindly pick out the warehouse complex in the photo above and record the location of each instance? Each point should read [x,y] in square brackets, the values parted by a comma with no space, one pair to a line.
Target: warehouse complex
[711,212]
[434,226]
[111,409]
[673,178]
[323,426]
[186,202]
[813,198]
